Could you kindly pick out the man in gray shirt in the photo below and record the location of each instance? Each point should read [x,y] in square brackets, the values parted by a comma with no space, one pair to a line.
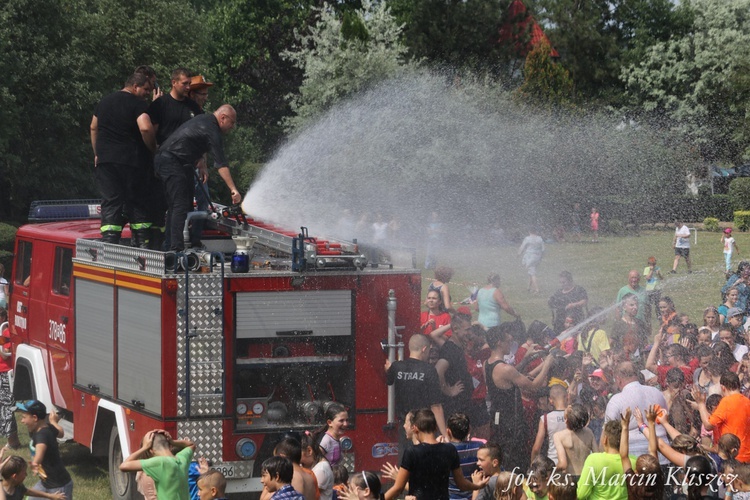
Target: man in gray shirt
[634,394]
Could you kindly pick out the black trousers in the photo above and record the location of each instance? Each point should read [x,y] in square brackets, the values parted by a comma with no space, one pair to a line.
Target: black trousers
[121,188]
[177,180]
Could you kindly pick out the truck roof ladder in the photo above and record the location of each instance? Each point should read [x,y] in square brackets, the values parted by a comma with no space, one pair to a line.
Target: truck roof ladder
[200,341]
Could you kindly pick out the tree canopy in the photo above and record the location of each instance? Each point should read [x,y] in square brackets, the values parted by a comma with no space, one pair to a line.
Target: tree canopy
[342,55]
[698,82]
[681,66]
[59,58]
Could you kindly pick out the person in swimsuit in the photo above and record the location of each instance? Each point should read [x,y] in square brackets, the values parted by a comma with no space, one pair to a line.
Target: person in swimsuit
[509,428]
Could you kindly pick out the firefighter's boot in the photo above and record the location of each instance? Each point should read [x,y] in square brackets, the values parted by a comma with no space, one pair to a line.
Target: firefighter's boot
[111,237]
[141,238]
[156,238]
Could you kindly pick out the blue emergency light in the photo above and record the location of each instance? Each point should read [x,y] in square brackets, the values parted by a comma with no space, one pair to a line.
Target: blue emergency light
[57,210]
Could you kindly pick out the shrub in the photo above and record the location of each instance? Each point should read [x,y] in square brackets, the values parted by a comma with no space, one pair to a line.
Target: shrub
[616,226]
[7,236]
[711,224]
[6,259]
[739,193]
[742,220]
[719,206]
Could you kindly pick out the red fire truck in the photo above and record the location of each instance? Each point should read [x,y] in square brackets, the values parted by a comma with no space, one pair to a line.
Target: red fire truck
[121,340]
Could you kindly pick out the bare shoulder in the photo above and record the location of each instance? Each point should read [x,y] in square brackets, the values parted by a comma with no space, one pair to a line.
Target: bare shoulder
[505,371]
[564,436]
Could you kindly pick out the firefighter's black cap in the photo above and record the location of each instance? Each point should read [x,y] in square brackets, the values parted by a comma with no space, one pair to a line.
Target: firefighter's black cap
[33,407]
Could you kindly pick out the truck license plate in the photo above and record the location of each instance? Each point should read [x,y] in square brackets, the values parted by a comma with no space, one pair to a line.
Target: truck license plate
[227,470]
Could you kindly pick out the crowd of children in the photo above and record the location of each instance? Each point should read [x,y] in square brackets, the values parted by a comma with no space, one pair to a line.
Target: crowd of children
[582,432]
[551,420]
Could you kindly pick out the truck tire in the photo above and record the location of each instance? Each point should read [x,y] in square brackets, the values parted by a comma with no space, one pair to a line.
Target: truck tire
[123,484]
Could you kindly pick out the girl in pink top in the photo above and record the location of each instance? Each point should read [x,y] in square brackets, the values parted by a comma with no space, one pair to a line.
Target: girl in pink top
[336,421]
[595,224]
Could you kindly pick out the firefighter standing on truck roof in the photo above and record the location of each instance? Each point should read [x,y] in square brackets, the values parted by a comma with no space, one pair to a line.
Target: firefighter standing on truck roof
[120,130]
[177,157]
[167,114]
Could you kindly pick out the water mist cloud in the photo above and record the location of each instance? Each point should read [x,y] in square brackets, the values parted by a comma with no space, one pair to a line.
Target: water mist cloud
[419,144]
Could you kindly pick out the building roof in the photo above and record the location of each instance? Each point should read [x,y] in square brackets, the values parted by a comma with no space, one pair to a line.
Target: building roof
[522,30]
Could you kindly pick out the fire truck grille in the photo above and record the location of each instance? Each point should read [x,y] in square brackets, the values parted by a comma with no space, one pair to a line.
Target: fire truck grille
[347,460]
[200,346]
[206,434]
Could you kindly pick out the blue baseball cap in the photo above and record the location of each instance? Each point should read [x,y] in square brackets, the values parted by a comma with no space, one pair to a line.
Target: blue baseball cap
[33,407]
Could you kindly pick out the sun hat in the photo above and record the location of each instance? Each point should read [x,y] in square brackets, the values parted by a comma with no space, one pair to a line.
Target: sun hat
[198,82]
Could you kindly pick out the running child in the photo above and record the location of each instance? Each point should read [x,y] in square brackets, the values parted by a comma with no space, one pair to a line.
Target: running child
[45,454]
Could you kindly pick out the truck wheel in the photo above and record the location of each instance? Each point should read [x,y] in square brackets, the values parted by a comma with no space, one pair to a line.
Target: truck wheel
[123,484]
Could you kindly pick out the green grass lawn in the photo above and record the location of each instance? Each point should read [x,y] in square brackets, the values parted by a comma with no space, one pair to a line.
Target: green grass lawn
[601,268]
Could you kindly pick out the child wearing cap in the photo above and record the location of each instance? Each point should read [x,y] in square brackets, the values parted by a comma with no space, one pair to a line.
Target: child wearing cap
[730,246]
[45,454]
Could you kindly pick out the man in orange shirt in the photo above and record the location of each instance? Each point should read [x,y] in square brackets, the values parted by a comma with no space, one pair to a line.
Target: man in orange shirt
[732,416]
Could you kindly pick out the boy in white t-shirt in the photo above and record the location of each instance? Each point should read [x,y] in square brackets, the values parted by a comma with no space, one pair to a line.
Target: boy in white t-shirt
[730,246]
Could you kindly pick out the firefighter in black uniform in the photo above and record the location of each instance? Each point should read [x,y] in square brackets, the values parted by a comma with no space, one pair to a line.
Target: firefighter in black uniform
[120,131]
[176,159]
[167,114]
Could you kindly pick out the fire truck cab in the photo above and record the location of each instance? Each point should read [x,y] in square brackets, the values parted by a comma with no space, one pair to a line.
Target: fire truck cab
[121,340]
